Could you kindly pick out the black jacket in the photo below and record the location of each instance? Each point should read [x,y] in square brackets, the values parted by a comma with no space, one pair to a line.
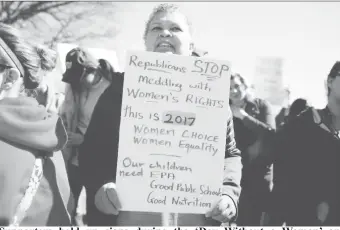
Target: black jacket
[253,136]
[306,172]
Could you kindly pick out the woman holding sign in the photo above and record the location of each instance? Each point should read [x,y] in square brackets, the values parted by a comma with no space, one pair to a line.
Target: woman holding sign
[167,31]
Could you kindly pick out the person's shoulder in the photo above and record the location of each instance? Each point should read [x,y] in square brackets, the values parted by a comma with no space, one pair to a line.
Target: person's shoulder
[302,120]
[117,83]
[307,115]
[118,77]
[261,102]
[113,93]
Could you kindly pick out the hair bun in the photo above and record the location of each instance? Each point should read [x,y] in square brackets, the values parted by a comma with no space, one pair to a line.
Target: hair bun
[48,57]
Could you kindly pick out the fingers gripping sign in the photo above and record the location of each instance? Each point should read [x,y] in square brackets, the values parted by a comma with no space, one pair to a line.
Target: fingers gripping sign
[224,210]
[106,199]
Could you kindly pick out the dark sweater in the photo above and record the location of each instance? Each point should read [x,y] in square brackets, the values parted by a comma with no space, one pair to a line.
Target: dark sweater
[306,172]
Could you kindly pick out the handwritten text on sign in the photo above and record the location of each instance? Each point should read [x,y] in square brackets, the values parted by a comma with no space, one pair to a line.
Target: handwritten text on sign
[172,133]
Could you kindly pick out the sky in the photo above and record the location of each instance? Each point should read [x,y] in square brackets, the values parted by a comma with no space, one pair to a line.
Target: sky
[305,34]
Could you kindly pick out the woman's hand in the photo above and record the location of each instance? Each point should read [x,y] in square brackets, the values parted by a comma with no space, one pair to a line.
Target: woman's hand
[74,139]
[322,211]
[223,211]
[106,199]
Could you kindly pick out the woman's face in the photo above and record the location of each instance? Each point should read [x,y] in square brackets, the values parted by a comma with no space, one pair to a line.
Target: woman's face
[237,90]
[169,33]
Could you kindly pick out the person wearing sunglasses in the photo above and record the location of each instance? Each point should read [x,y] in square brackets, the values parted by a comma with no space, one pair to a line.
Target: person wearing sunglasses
[86,78]
[167,30]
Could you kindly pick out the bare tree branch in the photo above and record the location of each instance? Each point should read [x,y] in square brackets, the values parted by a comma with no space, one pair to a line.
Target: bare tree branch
[60,33]
[91,36]
[18,6]
[24,13]
[5,8]
[54,5]
[55,22]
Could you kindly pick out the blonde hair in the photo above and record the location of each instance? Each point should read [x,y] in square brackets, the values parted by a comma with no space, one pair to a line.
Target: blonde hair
[168,8]
[31,58]
[48,57]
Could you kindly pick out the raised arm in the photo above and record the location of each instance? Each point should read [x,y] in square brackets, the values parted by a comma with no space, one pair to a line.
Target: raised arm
[266,121]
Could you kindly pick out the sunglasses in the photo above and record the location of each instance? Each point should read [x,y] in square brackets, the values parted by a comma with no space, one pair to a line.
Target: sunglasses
[88,70]
[4,67]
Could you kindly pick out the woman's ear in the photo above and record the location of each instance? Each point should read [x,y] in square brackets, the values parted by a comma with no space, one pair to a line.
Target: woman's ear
[13,79]
[13,74]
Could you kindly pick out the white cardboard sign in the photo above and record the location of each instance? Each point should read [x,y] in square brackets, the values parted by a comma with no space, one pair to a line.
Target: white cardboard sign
[172,133]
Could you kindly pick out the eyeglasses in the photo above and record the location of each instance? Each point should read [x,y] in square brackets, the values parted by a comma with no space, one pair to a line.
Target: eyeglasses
[89,70]
[4,67]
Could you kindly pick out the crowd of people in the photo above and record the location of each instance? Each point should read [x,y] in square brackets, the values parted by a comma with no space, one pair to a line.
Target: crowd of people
[58,152]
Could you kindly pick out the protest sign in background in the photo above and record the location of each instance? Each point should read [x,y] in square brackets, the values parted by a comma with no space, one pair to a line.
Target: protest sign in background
[172,133]
[268,80]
